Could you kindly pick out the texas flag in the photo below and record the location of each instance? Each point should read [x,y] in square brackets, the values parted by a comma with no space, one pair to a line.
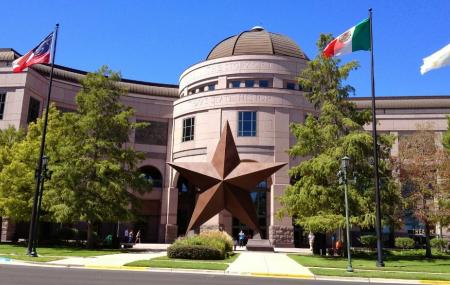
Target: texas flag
[40,54]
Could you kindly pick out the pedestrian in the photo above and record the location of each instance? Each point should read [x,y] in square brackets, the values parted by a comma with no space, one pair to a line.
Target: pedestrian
[235,242]
[311,238]
[130,236]
[125,235]
[241,238]
[138,237]
[333,241]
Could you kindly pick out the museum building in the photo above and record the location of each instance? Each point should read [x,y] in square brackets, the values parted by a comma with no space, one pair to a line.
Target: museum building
[247,80]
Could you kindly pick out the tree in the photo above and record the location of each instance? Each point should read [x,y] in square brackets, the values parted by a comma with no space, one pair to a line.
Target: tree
[19,161]
[446,138]
[8,138]
[316,199]
[92,163]
[423,171]
[94,166]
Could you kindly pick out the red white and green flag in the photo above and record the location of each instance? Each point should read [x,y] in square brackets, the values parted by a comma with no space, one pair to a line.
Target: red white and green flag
[355,38]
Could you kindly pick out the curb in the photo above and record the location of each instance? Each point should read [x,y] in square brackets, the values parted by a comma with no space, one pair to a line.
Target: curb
[281,275]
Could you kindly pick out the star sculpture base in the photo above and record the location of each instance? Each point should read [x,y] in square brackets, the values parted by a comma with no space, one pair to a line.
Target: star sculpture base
[225,183]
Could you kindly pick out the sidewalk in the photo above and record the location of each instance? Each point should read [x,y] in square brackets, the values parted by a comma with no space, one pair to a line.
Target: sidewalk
[107,260]
[267,264]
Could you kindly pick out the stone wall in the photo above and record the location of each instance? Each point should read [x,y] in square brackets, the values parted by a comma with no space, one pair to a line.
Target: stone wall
[281,236]
[171,233]
[209,227]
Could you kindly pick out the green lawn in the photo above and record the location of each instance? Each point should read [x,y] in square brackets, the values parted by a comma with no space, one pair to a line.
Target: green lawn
[412,261]
[380,274]
[398,264]
[165,262]
[49,253]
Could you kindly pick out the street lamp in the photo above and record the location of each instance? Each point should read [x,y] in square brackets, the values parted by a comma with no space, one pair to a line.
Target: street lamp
[45,175]
[345,161]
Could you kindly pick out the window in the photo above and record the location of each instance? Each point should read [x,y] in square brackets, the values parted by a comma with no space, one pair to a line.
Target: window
[33,110]
[290,85]
[235,84]
[155,133]
[264,83]
[188,129]
[2,104]
[247,124]
[211,87]
[249,83]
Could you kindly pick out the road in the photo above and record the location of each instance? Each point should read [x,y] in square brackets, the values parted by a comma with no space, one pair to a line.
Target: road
[27,275]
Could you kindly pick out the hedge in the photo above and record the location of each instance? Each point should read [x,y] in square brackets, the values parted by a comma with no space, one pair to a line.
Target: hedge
[404,242]
[194,252]
[214,244]
[369,241]
[439,243]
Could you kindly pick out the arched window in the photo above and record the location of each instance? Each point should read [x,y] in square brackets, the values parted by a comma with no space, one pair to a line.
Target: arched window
[153,175]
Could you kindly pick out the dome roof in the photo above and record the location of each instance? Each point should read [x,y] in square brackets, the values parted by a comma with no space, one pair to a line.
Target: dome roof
[256,41]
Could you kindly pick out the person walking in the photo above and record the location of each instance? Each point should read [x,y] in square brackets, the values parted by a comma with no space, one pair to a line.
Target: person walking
[130,236]
[138,237]
[241,238]
[311,238]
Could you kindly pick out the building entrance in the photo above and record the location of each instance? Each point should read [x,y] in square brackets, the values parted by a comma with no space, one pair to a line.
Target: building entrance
[259,198]
[187,195]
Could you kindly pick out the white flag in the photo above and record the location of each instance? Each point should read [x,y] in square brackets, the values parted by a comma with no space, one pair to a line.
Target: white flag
[438,59]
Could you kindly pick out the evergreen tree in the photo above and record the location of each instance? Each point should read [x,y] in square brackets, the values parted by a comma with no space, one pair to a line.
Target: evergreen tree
[315,198]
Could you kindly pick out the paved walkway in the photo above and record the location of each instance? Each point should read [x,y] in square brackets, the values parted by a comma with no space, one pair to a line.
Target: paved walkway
[267,263]
[107,260]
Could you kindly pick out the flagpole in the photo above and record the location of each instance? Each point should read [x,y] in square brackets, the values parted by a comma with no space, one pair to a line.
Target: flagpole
[380,262]
[31,250]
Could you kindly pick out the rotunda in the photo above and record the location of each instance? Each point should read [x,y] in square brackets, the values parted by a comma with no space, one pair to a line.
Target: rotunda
[249,80]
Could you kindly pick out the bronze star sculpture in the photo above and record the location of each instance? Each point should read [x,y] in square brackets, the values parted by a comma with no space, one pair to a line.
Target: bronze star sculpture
[225,183]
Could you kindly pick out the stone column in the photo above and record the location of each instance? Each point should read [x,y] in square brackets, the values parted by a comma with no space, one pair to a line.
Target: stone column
[8,230]
[281,231]
[169,203]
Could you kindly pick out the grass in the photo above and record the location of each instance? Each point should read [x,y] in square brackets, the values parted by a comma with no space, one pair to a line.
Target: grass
[47,254]
[401,265]
[412,261]
[380,274]
[29,258]
[165,262]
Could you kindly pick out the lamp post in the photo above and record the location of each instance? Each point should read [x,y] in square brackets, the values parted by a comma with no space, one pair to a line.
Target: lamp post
[345,161]
[45,175]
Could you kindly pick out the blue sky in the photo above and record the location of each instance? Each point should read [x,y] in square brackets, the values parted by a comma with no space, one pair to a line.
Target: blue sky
[156,40]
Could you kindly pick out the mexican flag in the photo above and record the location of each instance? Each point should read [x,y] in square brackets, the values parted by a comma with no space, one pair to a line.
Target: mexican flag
[355,38]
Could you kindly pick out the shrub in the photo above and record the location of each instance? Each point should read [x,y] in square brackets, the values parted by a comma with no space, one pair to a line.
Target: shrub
[369,241]
[439,243]
[194,252]
[206,241]
[404,242]
[221,236]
